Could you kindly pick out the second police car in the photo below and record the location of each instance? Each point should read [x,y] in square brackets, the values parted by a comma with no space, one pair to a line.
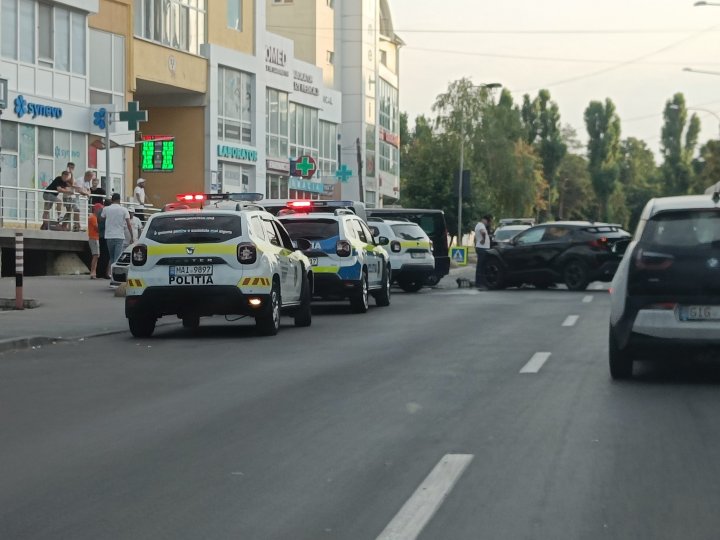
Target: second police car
[346,261]
[227,257]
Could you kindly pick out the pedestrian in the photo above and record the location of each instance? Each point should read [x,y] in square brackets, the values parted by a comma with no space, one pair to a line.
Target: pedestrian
[51,196]
[133,235]
[97,194]
[117,219]
[482,244]
[139,196]
[71,199]
[104,254]
[93,243]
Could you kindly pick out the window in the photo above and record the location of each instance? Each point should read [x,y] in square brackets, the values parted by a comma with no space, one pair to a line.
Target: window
[107,68]
[328,149]
[531,236]
[330,57]
[359,232]
[317,229]
[235,95]
[330,4]
[256,227]
[9,37]
[194,229]
[555,234]
[304,131]
[270,232]
[284,237]
[276,123]
[383,58]
[179,24]
[234,14]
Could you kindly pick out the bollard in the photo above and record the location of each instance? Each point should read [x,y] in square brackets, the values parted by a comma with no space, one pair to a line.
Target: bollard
[19,269]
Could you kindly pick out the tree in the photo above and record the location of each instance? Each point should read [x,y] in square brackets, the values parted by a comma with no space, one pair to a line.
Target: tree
[639,177]
[603,126]
[708,167]
[576,197]
[679,139]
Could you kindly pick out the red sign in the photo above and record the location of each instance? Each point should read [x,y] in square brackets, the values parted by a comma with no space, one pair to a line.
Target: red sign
[390,138]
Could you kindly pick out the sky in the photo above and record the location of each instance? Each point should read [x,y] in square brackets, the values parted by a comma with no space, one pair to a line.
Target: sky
[631,51]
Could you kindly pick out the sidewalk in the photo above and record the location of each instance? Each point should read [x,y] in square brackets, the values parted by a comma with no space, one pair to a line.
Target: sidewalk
[70,307]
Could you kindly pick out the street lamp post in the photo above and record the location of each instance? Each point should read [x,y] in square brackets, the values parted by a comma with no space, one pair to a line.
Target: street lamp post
[489,86]
[716,115]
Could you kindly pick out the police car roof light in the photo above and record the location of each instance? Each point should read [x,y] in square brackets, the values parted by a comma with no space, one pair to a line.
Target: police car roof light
[300,204]
[187,197]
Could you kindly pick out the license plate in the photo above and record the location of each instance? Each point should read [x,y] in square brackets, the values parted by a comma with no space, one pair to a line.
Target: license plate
[193,270]
[700,313]
[313,261]
[417,255]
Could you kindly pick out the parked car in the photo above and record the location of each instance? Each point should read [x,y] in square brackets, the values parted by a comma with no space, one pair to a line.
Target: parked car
[570,252]
[666,293]
[433,223]
[410,250]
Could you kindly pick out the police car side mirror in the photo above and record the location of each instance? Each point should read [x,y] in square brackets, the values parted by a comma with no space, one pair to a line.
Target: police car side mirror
[383,241]
[302,244]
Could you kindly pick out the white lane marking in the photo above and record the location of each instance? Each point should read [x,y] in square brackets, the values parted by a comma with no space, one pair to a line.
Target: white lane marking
[536,362]
[419,509]
[571,320]
[588,299]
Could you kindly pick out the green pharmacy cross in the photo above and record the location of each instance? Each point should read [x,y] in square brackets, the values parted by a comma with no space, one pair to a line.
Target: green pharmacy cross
[133,116]
[306,166]
[343,173]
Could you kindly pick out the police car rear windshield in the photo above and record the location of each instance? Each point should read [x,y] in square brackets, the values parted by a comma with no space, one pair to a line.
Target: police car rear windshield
[315,229]
[197,229]
[409,232]
[685,228]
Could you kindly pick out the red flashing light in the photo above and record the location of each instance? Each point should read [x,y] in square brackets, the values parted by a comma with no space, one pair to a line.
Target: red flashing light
[299,204]
[190,197]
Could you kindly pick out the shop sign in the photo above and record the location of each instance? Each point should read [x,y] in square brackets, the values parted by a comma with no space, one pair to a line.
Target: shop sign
[23,107]
[66,154]
[390,138]
[233,152]
[275,165]
[304,166]
[306,185]
[276,60]
[304,82]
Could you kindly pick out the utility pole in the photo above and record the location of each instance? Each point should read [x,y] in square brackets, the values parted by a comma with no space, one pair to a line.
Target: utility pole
[360,165]
[460,178]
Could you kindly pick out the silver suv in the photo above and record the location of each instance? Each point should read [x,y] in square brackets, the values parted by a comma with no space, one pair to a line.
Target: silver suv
[666,292]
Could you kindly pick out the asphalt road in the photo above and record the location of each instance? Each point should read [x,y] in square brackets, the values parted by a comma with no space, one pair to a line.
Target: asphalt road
[451,414]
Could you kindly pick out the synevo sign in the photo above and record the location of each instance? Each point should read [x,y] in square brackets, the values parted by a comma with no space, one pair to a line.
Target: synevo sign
[23,107]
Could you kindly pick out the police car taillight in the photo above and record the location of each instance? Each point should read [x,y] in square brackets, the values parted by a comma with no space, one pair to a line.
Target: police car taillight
[395,246]
[246,253]
[343,248]
[191,197]
[139,255]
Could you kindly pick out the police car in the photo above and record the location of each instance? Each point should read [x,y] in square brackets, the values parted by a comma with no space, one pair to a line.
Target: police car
[346,261]
[221,254]
[411,256]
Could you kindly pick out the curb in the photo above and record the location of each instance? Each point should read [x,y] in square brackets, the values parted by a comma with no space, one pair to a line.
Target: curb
[30,342]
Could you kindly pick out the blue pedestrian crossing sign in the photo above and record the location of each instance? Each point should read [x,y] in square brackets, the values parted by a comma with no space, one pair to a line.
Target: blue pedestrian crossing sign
[459,255]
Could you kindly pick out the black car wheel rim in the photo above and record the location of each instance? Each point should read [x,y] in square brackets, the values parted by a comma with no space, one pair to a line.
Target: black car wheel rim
[574,274]
[491,274]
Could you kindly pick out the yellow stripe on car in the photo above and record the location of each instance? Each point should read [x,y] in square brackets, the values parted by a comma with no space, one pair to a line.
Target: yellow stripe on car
[135,283]
[254,282]
[198,249]
[325,269]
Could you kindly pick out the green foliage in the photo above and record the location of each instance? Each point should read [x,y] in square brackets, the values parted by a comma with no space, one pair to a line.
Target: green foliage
[575,195]
[678,141]
[603,126]
[707,166]
[639,177]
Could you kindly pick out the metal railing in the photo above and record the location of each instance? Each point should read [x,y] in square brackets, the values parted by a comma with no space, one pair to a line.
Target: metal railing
[24,208]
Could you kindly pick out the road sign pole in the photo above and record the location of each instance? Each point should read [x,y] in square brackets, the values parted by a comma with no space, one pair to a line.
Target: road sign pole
[108,183]
[19,269]
[462,164]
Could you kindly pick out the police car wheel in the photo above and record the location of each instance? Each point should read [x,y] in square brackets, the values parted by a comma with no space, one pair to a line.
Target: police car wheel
[268,323]
[303,315]
[411,285]
[382,297]
[141,327]
[360,302]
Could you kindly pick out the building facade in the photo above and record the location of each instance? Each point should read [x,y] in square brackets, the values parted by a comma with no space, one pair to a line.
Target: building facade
[355,44]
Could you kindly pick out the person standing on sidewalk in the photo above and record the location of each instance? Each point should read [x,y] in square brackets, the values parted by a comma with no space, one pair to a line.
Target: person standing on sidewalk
[482,244]
[117,220]
[139,198]
[94,243]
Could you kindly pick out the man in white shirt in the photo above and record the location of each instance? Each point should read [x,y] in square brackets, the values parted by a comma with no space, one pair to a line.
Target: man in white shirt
[139,196]
[482,244]
[132,236]
[117,221]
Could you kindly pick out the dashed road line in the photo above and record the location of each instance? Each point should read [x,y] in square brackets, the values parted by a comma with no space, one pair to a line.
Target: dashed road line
[588,299]
[419,509]
[536,362]
[571,320]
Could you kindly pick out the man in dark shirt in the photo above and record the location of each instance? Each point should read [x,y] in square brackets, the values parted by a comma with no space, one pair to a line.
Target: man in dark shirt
[61,184]
[97,194]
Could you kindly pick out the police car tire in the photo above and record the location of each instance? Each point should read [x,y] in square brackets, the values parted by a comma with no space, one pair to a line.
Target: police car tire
[268,323]
[141,327]
[382,297]
[303,315]
[360,301]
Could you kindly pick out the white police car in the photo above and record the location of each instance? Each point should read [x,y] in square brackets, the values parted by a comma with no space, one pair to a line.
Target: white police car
[411,256]
[227,257]
[346,261]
